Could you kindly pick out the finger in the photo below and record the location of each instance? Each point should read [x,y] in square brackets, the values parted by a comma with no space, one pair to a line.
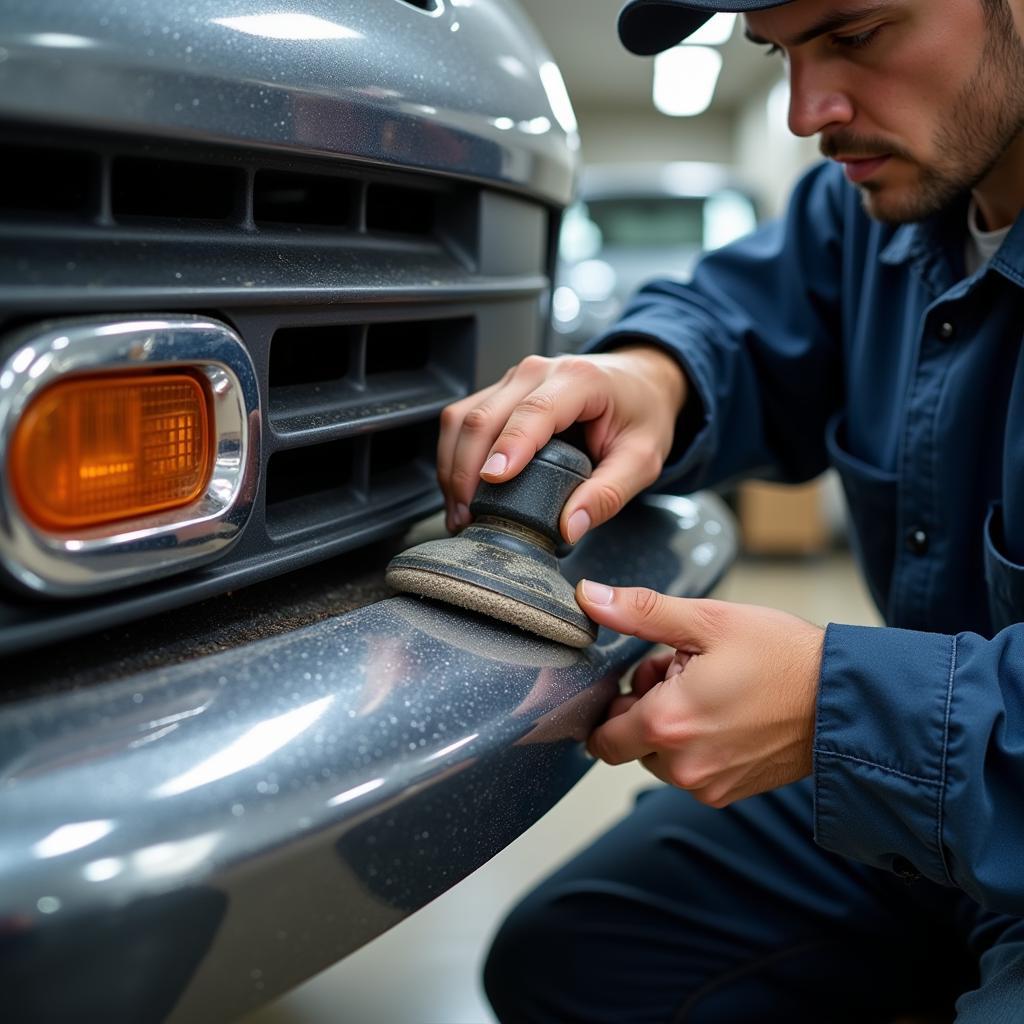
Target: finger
[452,417]
[476,442]
[620,705]
[622,474]
[728,787]
[622,738]
[655,764]
[453,428]
[567,395]
[689,624]
[650,671]
[678,663]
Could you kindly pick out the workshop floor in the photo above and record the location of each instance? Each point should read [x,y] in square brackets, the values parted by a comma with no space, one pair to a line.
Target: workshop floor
[425,971]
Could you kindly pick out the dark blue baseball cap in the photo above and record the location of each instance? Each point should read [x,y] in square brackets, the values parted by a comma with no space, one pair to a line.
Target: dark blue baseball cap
[649,26]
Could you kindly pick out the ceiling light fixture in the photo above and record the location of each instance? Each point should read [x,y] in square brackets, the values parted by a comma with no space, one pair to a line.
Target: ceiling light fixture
[684,79]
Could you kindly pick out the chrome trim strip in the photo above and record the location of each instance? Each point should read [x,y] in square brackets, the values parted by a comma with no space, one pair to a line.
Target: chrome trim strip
[93,560]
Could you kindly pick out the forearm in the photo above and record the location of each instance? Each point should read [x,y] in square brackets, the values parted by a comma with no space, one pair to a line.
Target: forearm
[917,756]
[756,334]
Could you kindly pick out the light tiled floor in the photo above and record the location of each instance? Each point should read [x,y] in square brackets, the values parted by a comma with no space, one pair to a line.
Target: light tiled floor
[425,971]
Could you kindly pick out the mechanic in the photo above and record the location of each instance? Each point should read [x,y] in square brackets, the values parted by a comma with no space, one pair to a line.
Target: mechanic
[869,859]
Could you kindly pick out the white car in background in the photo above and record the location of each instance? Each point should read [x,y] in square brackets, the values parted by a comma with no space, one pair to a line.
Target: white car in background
[635,222]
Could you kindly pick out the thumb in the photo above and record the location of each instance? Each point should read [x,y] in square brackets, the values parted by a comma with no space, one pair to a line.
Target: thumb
[688,624]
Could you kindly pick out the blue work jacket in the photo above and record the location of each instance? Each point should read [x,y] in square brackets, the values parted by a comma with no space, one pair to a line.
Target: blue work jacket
[829,339]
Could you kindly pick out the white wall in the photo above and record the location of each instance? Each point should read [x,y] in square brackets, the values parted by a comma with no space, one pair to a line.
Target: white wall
[753,138]
[767,156]
[609,136]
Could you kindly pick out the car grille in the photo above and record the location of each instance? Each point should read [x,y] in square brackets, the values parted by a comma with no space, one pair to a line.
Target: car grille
[368,298]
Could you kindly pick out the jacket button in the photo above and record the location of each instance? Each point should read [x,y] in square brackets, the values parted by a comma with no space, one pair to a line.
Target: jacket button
[946,330]
[917,540]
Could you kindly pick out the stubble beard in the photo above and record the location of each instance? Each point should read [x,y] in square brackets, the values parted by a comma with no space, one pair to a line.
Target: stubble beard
[985,118]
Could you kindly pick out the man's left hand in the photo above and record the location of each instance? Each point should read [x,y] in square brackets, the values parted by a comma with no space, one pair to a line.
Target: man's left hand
[730,714]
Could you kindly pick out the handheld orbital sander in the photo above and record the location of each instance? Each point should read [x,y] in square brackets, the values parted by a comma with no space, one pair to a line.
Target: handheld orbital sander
[503,564]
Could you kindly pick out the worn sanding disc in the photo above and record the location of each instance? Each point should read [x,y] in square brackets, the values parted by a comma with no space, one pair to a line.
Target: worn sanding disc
[503,564]
[482,638]
[496,569]
[477,599]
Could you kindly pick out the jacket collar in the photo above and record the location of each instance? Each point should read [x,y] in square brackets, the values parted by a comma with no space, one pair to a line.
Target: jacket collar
[904,242]
[927,238]
[1009,260]
[946,233]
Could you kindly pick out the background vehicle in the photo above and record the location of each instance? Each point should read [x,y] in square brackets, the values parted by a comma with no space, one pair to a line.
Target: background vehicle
[635,222]
[225,760]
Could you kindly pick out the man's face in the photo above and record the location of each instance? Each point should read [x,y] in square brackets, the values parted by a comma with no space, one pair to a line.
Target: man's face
[917,98]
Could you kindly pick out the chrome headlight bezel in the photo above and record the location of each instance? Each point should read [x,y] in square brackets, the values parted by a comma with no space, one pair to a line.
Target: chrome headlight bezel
[90,561]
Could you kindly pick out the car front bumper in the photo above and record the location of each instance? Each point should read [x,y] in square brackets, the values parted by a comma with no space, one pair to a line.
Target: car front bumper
[187,842]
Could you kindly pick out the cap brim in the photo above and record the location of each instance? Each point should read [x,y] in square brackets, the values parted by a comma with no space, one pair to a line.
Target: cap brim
[647,27]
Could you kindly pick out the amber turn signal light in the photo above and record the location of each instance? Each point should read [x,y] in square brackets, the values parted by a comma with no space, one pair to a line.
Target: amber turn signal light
[91,450]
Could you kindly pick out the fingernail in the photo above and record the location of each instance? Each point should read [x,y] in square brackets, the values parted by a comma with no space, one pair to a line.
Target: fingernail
[495,465]
[461,514]
[579,523]
[597,593]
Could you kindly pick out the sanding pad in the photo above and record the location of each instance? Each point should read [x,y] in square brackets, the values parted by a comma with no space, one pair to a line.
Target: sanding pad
[503,564]
[473,572]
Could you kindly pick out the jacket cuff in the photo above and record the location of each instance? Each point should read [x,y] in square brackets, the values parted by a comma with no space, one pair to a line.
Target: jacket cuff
[880,747]
[693,445]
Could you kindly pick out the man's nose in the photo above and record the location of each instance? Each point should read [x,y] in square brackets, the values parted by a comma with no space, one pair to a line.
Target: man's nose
[816,101]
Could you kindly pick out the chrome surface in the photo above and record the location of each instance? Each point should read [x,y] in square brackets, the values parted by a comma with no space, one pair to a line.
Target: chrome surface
[467,88]
[189,842]
[100,558]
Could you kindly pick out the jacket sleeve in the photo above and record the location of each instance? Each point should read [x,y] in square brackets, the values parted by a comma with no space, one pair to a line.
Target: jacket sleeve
[919,757]
[757,331]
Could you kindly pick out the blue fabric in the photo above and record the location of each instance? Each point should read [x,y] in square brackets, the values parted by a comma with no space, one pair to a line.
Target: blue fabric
[690,915]
[830,339]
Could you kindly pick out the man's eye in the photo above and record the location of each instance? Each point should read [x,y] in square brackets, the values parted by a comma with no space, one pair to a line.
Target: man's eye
[857,42]
[772,50]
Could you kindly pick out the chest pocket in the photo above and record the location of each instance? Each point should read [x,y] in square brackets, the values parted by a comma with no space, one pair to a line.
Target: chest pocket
[1004,579]
[871,494]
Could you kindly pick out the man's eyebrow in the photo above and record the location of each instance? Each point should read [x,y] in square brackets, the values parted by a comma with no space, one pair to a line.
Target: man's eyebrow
[833,22]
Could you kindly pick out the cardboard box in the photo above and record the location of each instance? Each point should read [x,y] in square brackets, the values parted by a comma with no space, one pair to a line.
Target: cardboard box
[777,519]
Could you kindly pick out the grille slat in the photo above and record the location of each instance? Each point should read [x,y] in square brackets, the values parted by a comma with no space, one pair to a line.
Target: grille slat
[331,411]
[332,379]
[351,479]
[368,298]
[47,182]
[397,377]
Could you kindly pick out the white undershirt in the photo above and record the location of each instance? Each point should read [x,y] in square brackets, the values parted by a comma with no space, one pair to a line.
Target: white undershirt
[981,245]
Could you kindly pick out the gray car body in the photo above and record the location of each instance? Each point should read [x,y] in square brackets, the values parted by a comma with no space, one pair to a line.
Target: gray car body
[384,81]
[188,830]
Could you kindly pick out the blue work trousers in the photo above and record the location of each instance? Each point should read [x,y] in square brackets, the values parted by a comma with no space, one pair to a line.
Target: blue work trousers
[683,913]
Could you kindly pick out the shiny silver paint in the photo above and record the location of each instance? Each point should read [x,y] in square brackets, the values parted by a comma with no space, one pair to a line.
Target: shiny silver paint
[101,558]
[187,843]
[457,90]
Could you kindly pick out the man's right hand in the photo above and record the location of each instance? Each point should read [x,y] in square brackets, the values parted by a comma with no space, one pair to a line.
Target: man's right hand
[628,400]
